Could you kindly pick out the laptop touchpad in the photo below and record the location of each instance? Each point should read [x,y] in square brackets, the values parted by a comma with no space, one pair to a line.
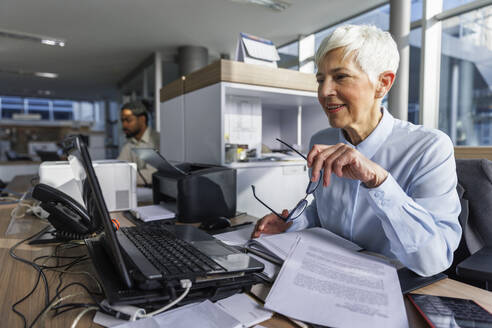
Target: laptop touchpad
[232,260]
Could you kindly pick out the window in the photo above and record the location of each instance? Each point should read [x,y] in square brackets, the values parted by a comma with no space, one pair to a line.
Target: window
[48,109]
[451,4]
[38,106]
[414,75]
[378,17]
[465,102]
[416,10]
[289,54]
[62,110]
[10,106]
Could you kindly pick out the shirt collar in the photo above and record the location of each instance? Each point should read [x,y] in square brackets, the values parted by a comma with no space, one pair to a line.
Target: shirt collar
[369,146]
[145,137]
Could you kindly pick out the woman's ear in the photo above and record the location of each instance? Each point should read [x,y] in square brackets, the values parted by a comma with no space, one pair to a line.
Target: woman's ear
[385,82]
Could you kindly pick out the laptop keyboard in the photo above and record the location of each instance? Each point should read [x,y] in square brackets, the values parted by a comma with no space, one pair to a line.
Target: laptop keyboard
[173,257]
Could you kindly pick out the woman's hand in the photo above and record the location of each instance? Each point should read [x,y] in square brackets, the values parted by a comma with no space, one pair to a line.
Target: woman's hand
[271,224]
[345,162]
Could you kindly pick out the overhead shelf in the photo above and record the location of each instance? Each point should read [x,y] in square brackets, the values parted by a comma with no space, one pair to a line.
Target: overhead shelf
[237,72]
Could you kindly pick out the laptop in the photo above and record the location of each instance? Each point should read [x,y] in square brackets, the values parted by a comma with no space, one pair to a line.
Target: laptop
[143,264]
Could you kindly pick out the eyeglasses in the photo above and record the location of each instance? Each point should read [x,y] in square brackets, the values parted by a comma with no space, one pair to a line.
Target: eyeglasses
[302,204]
[128,119]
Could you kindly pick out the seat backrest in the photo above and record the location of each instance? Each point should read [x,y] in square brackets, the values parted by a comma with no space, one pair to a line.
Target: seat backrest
[475,192]
[475,176]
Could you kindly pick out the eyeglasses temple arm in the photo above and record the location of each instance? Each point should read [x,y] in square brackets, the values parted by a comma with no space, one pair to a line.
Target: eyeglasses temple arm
[292,148]
[254,194]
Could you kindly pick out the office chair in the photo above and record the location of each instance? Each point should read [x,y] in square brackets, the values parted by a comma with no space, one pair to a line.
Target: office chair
[473,258]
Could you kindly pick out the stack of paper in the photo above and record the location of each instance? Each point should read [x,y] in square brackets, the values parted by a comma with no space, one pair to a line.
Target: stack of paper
[276,247]
[328,285]
[153,212]
[237,311]
[245,309]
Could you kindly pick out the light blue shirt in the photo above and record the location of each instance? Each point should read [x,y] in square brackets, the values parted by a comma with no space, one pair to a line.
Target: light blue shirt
[413,215]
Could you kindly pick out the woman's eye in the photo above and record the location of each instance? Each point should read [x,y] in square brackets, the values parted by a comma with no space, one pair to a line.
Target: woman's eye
[320,81]
[340,76]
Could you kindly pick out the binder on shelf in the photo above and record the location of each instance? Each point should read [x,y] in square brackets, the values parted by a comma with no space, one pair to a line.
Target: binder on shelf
[255,50]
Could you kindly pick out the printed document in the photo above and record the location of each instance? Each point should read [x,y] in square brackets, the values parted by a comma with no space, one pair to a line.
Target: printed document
[329,285]
[278,246]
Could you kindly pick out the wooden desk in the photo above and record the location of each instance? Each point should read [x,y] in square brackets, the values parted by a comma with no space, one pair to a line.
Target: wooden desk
[17,279]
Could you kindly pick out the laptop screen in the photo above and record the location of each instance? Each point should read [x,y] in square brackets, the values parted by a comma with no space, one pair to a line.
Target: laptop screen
[86,179]
[154,158]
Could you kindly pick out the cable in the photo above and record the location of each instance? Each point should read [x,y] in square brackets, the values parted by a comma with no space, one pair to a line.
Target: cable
[48,308]
[27,296]
[37,268]
[54,301]
[146,184]
[23,299]
[185,283]
[81,314]
[78,259]
[71,306]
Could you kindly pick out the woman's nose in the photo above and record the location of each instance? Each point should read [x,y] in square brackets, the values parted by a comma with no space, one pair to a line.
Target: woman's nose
[327,88]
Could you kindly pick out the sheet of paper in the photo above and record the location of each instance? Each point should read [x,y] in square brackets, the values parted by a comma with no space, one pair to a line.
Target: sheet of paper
[153,212]
[280,244]
[237,237]
[205,315]
[106,320]
[329,285]
[245,309]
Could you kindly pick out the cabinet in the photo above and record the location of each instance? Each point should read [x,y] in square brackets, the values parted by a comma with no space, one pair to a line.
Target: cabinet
[193,125]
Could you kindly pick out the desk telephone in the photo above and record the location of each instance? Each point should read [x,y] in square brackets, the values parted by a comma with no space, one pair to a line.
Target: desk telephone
[70,219]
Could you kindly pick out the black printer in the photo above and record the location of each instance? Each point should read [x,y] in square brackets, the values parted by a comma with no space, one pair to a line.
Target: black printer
[202,192]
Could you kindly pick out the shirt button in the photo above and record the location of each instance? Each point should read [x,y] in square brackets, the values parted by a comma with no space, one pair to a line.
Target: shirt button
[378,194]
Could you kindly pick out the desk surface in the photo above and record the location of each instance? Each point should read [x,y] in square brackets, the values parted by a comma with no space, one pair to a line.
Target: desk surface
[17,279]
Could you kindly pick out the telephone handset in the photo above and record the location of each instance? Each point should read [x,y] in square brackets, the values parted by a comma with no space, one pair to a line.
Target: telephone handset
[68,217]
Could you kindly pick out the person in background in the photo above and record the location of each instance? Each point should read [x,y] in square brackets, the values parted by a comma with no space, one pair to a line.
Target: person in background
[385,184]
[134,119]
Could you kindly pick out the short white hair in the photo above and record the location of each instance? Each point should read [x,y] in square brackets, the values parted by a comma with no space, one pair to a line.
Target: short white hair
[375,50]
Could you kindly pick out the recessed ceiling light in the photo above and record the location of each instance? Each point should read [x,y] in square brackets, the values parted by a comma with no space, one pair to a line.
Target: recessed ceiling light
[277,5]
[38,74]
[32,37]
[46,74]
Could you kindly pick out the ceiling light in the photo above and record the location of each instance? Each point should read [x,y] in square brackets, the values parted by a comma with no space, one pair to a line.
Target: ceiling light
[32,37]
[277,5]
[38,74]
[46,74]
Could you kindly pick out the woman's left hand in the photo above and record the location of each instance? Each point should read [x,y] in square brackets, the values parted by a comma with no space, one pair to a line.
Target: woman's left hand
[345,162]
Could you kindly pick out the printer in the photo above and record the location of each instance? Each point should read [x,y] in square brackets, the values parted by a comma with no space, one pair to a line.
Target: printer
[201,192]
[118,180]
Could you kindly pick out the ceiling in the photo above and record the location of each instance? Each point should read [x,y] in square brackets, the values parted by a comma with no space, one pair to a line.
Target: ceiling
[107,39]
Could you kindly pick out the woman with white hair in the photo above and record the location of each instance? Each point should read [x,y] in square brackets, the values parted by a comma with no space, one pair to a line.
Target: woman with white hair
[388,185]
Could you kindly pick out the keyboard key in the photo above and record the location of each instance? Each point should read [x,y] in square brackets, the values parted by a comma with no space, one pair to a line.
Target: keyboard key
[172,256]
